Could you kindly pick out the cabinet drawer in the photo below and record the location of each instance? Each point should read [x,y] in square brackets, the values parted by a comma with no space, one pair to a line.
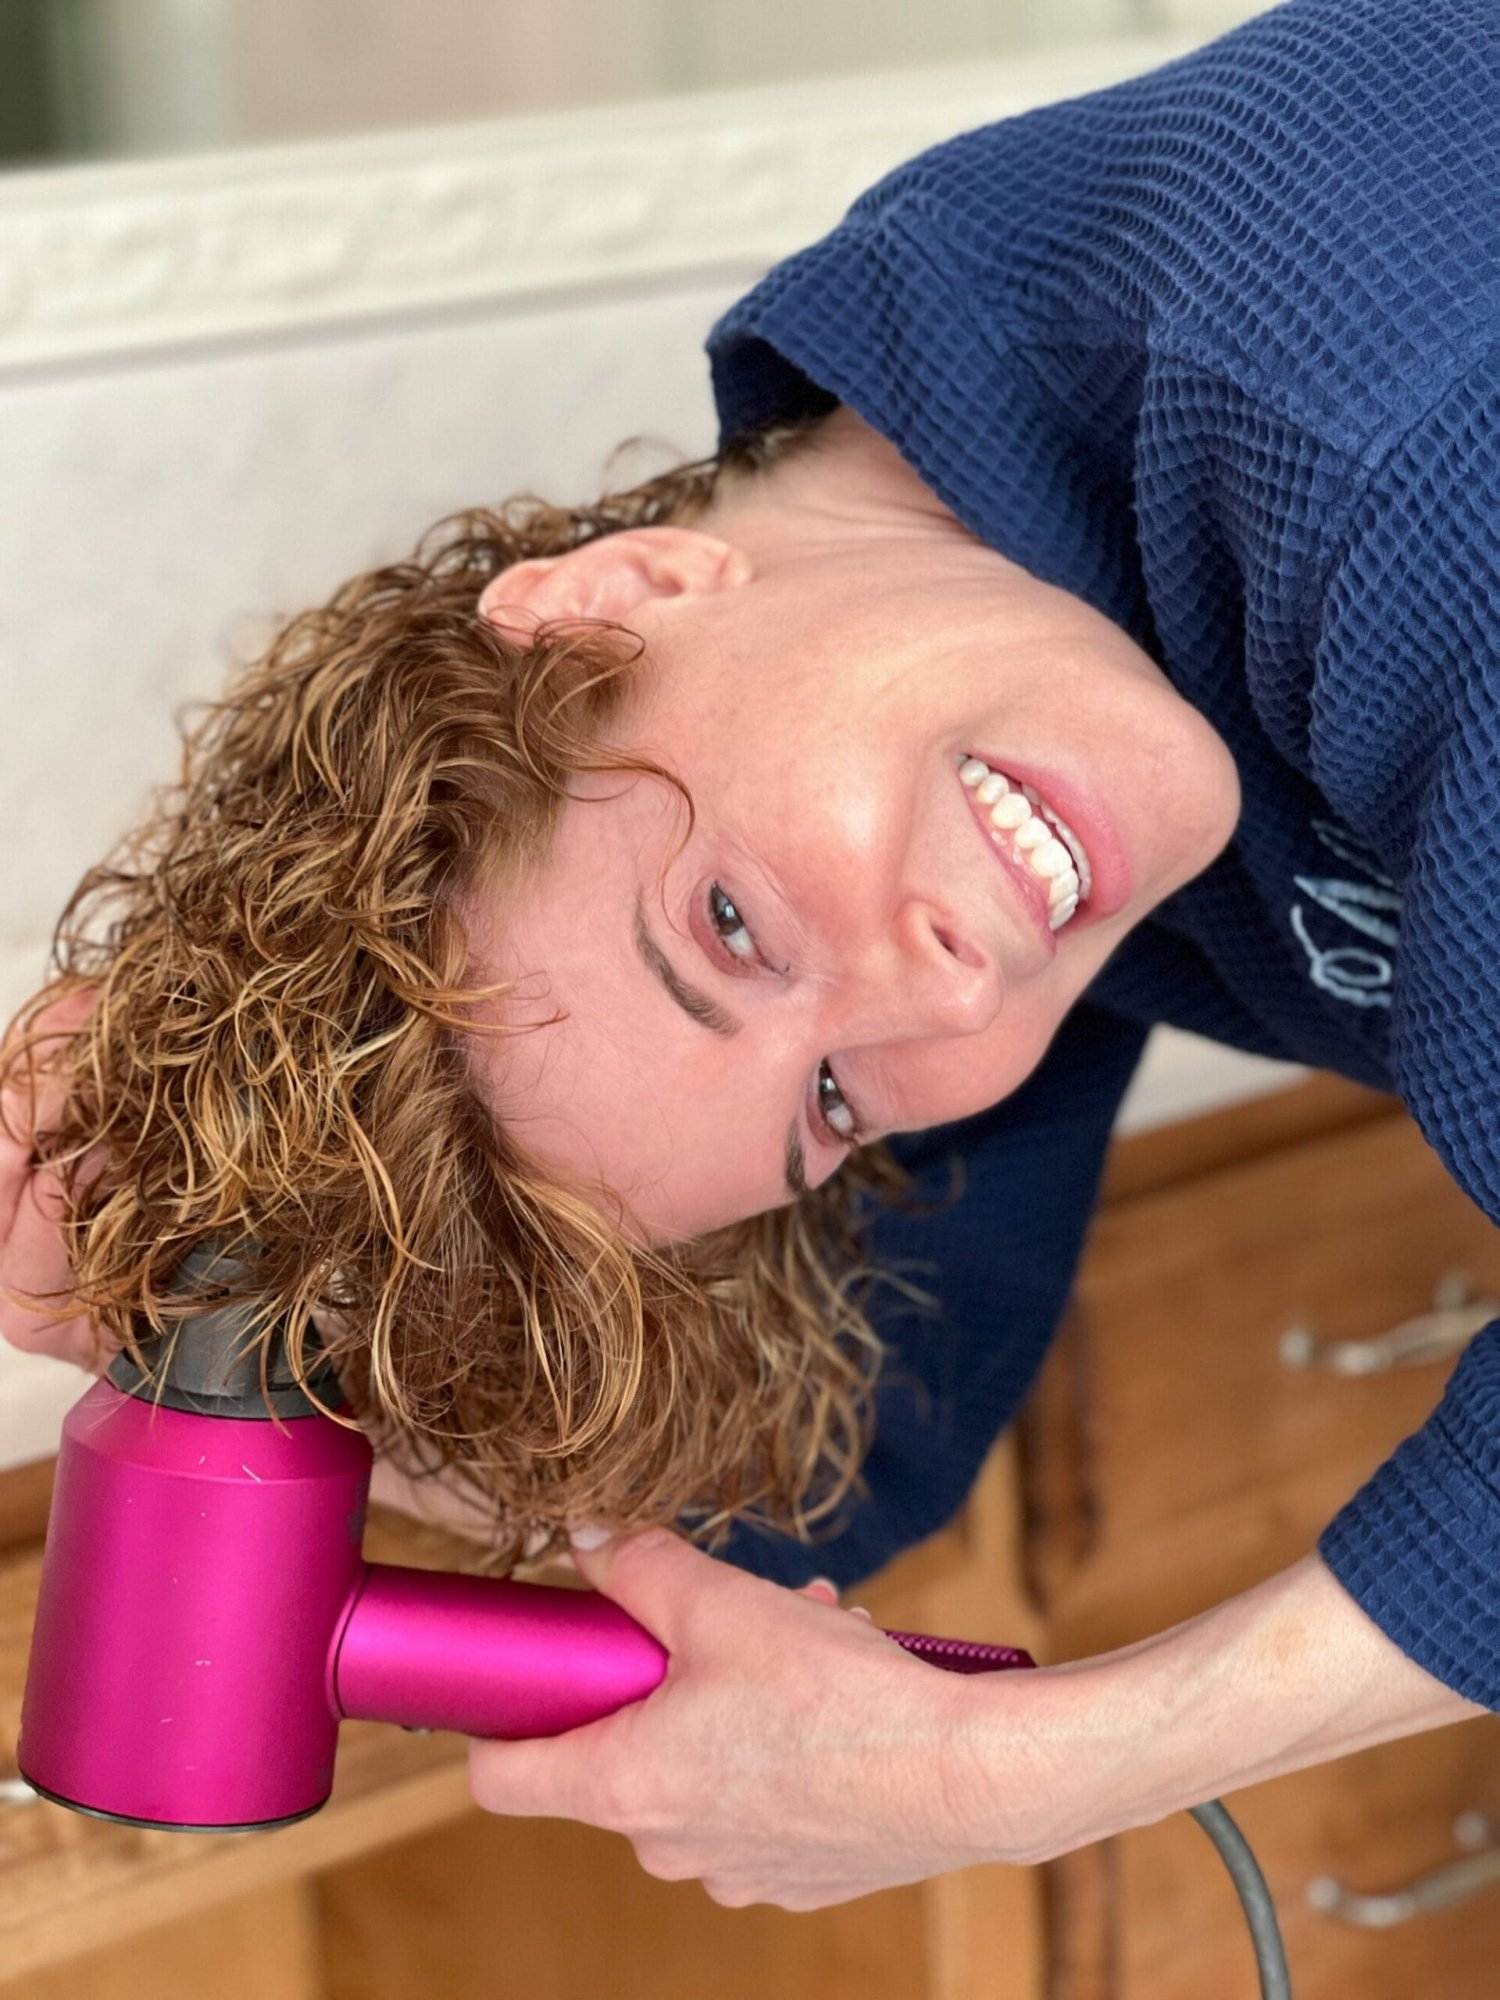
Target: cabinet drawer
[1152,1915]
[1172,1456]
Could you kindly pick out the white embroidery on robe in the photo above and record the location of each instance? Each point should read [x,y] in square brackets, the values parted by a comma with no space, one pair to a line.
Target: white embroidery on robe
[1350,972]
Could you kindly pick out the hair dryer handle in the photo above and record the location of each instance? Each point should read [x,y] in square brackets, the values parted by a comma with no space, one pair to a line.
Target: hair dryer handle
[487,1657]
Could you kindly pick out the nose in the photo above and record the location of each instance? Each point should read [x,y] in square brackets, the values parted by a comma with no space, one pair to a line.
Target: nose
[941,983]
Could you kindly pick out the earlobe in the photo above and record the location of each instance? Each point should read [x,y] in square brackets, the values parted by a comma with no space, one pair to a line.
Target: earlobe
[611,577]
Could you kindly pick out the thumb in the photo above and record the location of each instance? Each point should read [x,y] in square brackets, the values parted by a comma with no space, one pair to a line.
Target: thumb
[656,1576]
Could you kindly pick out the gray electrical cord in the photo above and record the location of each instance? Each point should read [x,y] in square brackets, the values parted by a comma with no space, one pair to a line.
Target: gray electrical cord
[1255,1899]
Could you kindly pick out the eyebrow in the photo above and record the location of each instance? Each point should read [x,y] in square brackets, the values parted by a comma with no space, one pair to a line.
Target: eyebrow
[709,1014]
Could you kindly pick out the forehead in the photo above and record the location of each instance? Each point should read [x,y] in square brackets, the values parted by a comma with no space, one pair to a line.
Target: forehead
[626,1092]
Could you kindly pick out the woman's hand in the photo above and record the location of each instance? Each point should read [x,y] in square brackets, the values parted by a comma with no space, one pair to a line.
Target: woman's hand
[793,1755]
[796,1756]
[33,1257]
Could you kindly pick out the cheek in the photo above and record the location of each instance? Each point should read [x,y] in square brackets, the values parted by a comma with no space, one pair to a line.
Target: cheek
[937,1083]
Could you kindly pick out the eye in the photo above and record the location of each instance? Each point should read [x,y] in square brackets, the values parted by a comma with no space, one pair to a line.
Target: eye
[836,1116]
[728,923]
[835,1110]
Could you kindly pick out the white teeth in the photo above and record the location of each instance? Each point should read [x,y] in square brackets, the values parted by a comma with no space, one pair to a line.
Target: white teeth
[1040,839]
[1011,812]
[1074,846]
[1068,837]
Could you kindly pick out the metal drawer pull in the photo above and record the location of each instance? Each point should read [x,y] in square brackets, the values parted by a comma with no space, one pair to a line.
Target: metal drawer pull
[1455,1318]
[1439,1890]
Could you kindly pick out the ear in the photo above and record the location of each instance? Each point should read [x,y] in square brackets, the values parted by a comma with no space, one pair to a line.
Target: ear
[611,576]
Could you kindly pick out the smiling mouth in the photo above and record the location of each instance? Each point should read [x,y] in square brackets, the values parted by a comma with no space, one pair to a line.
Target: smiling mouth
[1044,859]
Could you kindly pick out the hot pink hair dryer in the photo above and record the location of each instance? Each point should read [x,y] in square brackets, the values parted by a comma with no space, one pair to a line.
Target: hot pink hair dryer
[206,1618]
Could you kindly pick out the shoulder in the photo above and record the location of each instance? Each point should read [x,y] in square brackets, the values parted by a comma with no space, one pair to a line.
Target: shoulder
[1306,206]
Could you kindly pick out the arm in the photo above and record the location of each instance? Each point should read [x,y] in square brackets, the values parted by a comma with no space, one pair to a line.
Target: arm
[899,1773]
[1284,1676]
[1414,608]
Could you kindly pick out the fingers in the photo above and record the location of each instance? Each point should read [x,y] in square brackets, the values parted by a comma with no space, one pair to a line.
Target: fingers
[33,1257]
[660,1578]
[33,1261]
[525,1780]
[34,1101]
[548,1777]
[657,1576]
[29,1104]
[827,1592]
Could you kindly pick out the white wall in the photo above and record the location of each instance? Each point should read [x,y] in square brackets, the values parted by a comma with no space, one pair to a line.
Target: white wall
[152,76]
[156,512]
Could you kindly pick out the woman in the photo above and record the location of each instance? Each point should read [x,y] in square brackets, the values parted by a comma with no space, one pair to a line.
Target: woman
[1091,623]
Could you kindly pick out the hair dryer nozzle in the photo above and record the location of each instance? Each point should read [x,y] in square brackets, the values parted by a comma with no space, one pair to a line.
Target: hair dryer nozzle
[212,1363]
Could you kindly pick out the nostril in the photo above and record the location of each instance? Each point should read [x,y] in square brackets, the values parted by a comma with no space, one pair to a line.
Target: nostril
[956,947]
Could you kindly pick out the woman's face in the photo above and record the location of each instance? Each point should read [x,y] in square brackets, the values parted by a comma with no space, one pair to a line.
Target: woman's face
[839,938]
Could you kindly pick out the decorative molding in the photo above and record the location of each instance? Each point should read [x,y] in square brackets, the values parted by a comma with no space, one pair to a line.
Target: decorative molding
[102,260]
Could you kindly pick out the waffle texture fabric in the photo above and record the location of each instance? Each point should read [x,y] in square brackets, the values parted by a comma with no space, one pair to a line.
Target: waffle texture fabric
[1216,351]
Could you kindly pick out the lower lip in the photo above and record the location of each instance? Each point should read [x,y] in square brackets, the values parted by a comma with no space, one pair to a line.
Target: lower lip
[1113,884]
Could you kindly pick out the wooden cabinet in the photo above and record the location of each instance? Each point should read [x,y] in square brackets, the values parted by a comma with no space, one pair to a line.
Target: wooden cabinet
[1193,1430]
[1177,1448]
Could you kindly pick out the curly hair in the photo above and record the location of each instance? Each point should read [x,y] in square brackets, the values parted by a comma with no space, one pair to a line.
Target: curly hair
[275,1059]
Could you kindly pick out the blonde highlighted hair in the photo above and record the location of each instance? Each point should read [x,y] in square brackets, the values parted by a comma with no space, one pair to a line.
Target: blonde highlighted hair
[275,1060]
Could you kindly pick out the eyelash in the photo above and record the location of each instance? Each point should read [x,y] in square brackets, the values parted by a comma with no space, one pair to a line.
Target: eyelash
[834,1136]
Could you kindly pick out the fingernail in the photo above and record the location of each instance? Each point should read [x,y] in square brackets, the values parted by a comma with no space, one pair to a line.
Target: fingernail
[588,1537]
[823,1583]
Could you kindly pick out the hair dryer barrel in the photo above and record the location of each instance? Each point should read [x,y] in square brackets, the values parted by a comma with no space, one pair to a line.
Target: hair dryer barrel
[195,1572]
[206,1620]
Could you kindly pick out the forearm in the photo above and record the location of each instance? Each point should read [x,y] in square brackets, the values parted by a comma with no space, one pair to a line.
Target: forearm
[1288,1674]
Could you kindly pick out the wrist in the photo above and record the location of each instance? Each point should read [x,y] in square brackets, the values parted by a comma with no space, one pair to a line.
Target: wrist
[1024,1773]
[1288,1674]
